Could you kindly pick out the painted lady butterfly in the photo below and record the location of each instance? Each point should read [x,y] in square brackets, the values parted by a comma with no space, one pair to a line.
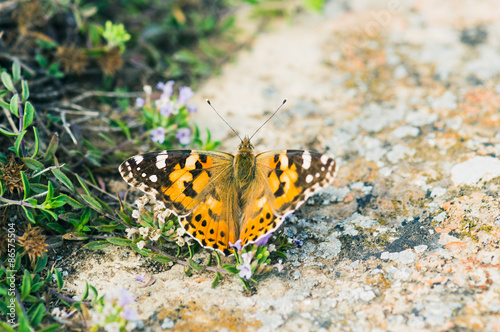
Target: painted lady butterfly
[221,199]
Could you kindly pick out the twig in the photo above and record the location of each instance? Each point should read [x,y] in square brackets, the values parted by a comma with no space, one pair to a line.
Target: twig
[185,263]
[68,130]
[121,145]
[48,169]
[89,94]
[14,58]
[65,298]
[80,110]
[9,118]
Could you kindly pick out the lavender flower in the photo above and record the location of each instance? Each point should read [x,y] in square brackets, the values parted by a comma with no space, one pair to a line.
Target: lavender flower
[140,102]
[245,268]
[263,240]
[185,93]
[158,135]
[126,297]
[129,313]
[192,108]
[236,245]
[297,242]
[184,136]
[167,88]
[167,109]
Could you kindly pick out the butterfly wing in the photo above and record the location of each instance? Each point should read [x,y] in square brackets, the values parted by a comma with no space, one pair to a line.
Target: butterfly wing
[286,179]
[197,186]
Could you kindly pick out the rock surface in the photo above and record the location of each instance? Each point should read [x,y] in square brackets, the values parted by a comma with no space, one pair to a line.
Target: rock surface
[406,95]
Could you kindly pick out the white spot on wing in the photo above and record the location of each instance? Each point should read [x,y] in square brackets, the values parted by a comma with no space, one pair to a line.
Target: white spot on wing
[160,160]
[138,159]
[153,178]
[306,160]
[143,175]
[324,159]
[309,178]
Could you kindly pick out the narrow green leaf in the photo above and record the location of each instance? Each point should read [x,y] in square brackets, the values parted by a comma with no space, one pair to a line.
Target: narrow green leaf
[36,314]
[194,265]
[74,203]
[17,143]
[4,105]
[33,164]
[119,241]
[161,259]
[25,93]
[97,245]
[14,105]
[7,81]
[51,328]
[104,205]
[7,133]
[216,281]
[41,263]
[106,228]
[29,214]
[93,203]
[63,178]
[38,188]
[37,142]
[59,278]
[6,327]
[57,227]
[16,71]
[49,213]
[29,115]
[52,148]
[123,217]
[26,184]
[86,291]
[50,192]
[82,183]
[143,252]
[26,285]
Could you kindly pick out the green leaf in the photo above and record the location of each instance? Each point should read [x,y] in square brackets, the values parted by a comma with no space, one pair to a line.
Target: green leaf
[59,278]
[119,241]
[104,205]
[26,285]
[14,105]
[25,93]
[106,228]
[33,164]
[26,184]
[7,133]
[57,227]
[6,327]
[41,262]
[4,105]
[29,214]
[217,278]
[7,81]
[51,150]
[195,266]
[16,71]
[37,142]
[63,178]
[97,245]
[161,259]
[123,217]
[17,143]
[93,203]
[82,183]
[74,203]
[51,328]
[143,251]
[230,268]
[36,314]
[29,115]
[50,192]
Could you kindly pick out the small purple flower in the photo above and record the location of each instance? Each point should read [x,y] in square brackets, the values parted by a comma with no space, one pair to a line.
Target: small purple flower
[140,278]
[192,108]
[126,297]
[297,242]
[263,240]
[167,109]
[184,136]
[167,88]
[158,135]
[245,268]
[140,102]
[185,93]
[236,245]
[129,314]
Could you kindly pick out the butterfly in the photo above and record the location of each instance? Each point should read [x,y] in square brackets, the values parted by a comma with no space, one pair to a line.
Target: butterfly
[222,199]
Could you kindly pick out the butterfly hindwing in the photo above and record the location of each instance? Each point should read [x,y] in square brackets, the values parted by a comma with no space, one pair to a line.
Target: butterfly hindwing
[293,176]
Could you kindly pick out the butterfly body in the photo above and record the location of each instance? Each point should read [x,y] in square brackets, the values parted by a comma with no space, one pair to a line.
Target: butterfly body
[220,198]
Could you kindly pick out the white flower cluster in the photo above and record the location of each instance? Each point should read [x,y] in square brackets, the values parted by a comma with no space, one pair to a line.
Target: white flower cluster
[114,314]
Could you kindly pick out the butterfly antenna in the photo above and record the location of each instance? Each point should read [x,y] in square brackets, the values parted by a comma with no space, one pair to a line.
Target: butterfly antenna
[283,103]
[209,103]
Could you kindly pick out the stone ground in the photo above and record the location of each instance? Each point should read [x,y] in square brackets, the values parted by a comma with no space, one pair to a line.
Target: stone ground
[406,95]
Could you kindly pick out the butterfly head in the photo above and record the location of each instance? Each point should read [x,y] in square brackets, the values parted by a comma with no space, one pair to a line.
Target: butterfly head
[245,146]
